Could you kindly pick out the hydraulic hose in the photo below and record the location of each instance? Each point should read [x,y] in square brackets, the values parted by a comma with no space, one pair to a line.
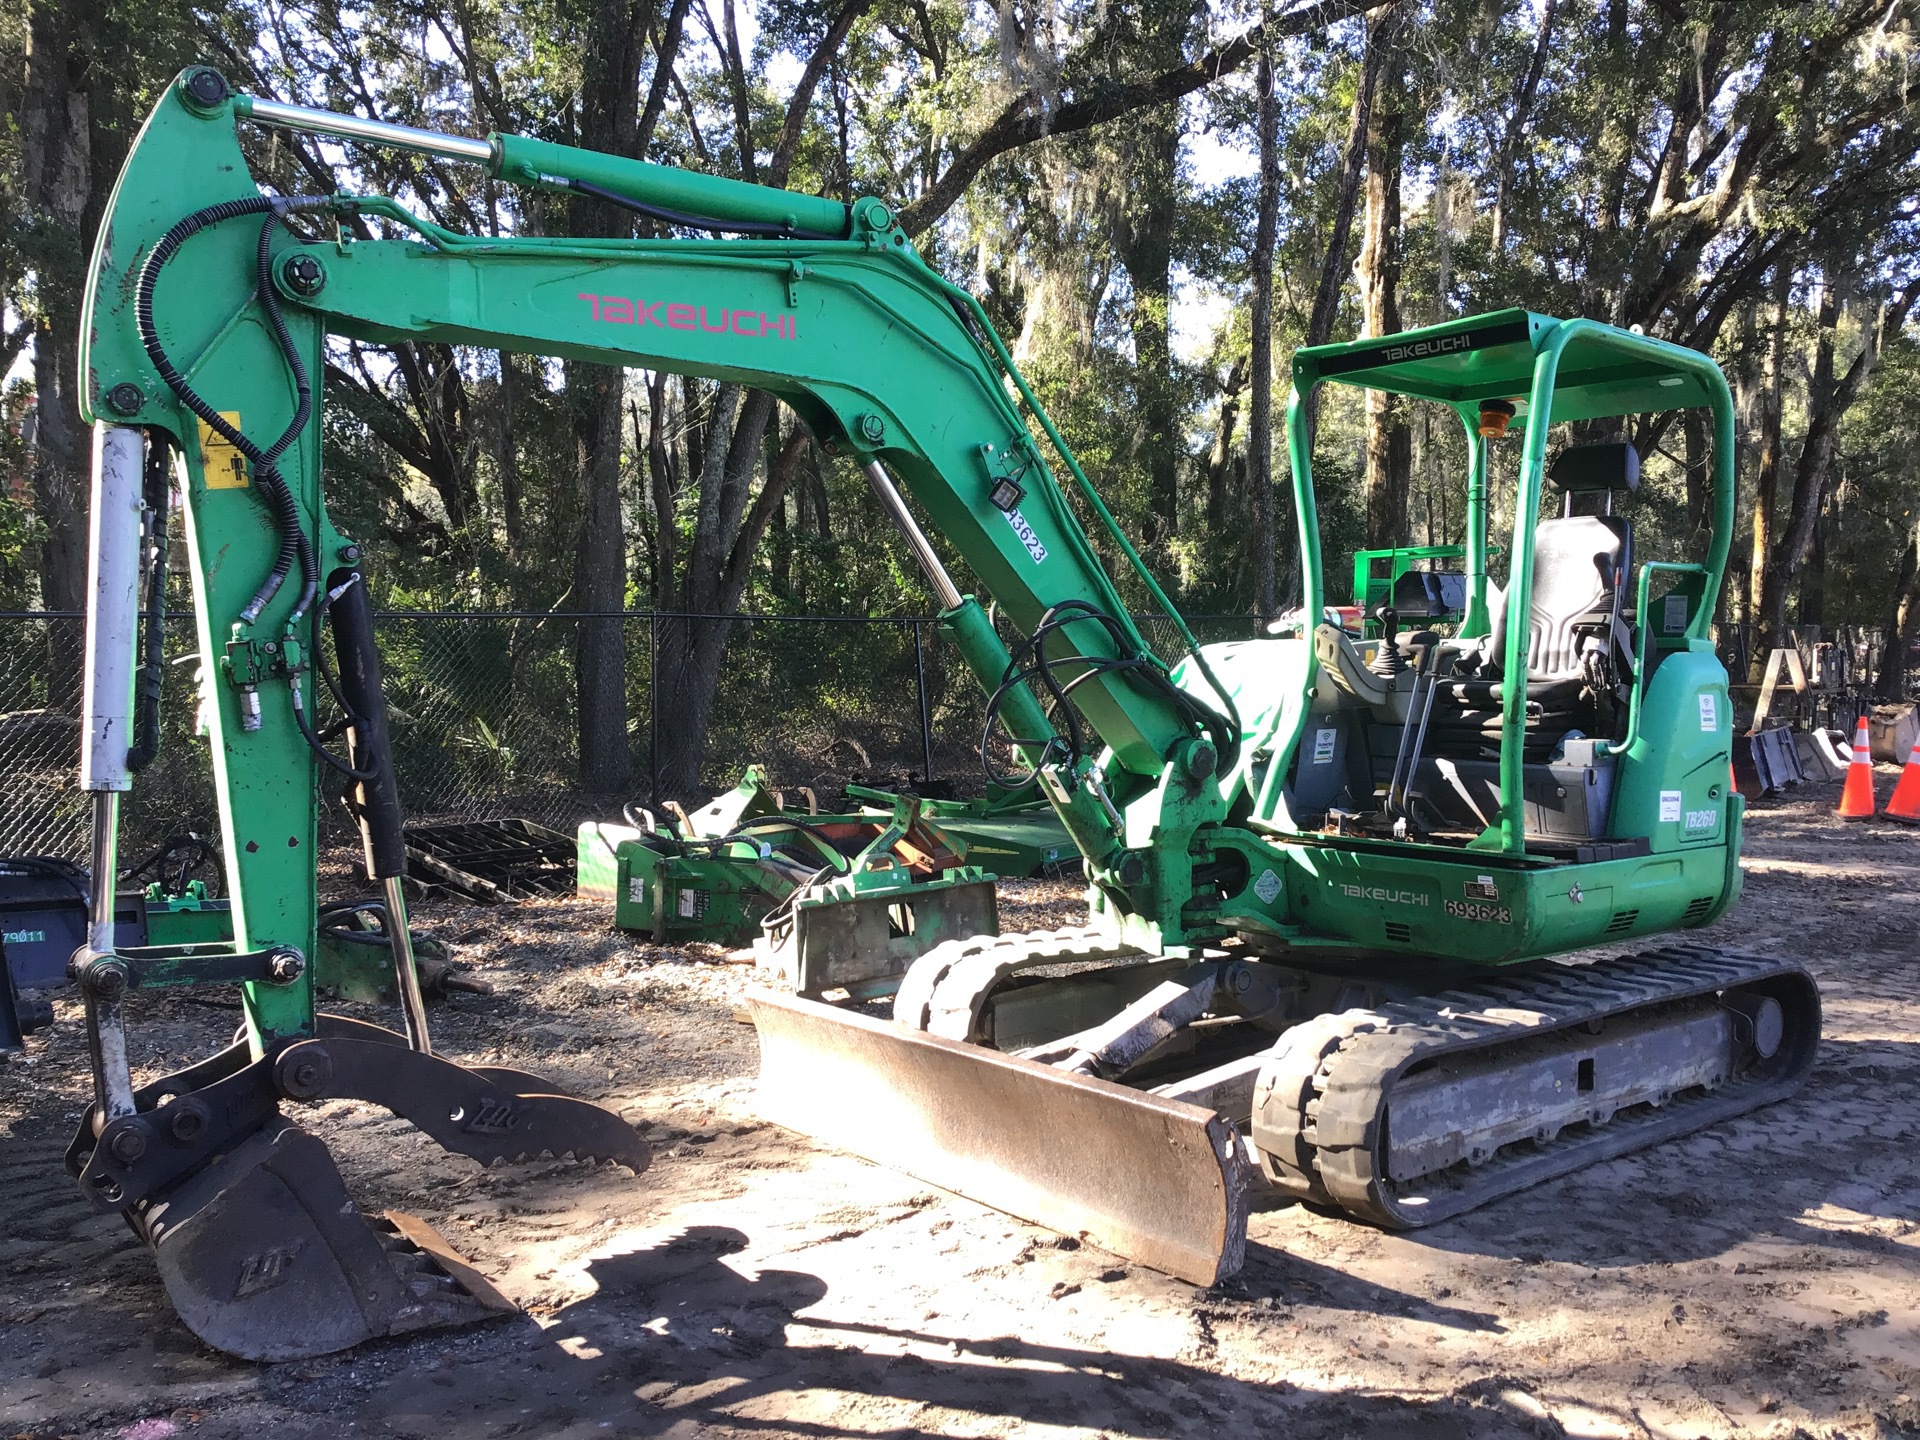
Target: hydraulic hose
[153,637]
[295,546]
[377,792]
[1031,663]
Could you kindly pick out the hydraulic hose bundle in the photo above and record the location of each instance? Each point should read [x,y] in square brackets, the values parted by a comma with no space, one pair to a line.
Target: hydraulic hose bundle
[1030,663]
[151,676]
[295,545]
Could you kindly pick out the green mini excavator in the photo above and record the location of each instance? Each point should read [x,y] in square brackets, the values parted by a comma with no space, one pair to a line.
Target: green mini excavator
[1326,873]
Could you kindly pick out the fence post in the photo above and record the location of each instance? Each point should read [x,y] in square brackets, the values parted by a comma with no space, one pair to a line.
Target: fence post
[653,707]
[926,710]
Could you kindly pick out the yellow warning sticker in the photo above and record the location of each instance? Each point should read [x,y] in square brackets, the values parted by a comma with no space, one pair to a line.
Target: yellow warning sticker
[222,465]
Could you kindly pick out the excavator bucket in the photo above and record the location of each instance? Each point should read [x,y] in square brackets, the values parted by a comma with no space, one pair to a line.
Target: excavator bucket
[1155,1180]
[263,1252]
[265,1256]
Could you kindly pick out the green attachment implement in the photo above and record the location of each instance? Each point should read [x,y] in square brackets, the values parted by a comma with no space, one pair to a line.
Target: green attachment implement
[831,903]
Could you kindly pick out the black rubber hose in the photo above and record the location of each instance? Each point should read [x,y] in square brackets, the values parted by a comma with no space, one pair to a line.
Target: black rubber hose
[377,799]
[353,723]
[294,545]
[303,407]
[1031,663]
[153,636]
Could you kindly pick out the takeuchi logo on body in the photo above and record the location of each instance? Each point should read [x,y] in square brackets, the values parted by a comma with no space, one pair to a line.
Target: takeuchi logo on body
[754,324]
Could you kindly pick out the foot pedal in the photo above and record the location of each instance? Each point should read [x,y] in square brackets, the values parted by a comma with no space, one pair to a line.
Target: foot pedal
[265,1256]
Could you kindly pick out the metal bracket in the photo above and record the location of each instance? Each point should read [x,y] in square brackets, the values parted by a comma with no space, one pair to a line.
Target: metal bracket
[180,1123]
[152,967]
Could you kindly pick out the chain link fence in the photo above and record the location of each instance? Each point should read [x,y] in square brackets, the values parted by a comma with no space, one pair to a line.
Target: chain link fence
[484,716]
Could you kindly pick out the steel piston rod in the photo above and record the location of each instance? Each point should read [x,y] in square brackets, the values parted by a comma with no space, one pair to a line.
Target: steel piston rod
[896,506]
[522,160]
[113,585]
[372,132]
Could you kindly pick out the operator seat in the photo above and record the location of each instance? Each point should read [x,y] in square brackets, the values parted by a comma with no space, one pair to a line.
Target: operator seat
[1578,648]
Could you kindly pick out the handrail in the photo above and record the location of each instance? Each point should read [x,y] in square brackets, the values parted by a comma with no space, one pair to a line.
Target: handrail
[1641,613]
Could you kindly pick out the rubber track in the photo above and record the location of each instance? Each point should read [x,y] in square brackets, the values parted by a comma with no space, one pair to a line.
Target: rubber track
[946,991]
[1341,1130]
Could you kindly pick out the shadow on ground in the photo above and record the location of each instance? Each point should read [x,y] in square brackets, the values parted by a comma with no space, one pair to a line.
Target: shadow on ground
[678,1341]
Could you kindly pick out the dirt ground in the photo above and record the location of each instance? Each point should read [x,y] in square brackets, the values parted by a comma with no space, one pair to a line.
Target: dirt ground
[1757,1279]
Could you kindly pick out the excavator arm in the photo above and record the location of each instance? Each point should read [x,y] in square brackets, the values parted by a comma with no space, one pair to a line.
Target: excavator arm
[827,306]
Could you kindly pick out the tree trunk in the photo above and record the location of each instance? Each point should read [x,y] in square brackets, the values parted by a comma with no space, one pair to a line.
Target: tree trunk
[1221,467]
[1903,625]
[509,460]
[1766,481]
[1697,476]
[600,580]
[1810,474]
[1813,584]
[1827,405]
[661,487]
[1516,129]
[1260,399]
[724,430]
[1145,242]
[1604,285]
[716,575]
[1389,442]
[58,184]
[1383,29]
[609,117]
[691,652]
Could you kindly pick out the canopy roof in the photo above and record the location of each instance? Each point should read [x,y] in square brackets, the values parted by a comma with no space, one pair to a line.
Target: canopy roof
[1604,371]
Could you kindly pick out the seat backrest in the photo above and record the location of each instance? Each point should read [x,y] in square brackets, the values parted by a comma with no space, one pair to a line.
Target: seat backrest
[1580,563]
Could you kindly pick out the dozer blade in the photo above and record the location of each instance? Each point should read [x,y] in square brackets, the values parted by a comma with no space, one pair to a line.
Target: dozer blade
[266,1257]
[1158,1181]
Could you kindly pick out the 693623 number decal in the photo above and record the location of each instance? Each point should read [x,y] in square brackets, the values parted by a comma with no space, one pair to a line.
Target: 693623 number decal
[1485,914]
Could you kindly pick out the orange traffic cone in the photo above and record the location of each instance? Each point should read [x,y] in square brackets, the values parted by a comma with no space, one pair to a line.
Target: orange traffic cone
[1905,802]
[1856,799]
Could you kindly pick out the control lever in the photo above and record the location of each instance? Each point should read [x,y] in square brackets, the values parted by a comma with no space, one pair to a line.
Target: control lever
[1387,660]
[1413,735]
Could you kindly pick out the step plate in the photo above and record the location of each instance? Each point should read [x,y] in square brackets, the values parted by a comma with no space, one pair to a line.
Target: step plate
[1155,1180]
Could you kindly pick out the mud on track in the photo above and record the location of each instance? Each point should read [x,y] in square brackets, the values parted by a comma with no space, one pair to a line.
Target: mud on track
[1761,1278]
